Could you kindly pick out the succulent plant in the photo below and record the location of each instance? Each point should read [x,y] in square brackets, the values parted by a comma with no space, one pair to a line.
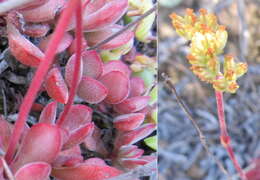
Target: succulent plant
[40,35]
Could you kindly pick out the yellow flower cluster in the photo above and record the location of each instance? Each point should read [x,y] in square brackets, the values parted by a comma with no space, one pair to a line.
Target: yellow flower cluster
[208,40]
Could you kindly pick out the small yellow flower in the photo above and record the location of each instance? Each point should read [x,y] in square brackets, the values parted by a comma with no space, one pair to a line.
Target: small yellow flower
[241,69]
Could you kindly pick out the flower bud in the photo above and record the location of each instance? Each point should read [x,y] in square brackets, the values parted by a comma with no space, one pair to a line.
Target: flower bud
[241,69]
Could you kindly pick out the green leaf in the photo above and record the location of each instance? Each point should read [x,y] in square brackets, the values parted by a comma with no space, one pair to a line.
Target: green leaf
[155,115]
[107,55]
[147,75]
[127,19]
[151,142]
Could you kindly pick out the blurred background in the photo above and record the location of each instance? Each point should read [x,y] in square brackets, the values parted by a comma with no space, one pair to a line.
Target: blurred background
[181,155]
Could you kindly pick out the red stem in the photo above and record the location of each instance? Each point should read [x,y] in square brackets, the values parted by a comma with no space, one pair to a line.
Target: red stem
[224,137]
[77,66]
[39,77]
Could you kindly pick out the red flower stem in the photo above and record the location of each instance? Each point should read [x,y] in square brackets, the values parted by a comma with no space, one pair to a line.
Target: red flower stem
[39,78]
[224,137]
[77,66]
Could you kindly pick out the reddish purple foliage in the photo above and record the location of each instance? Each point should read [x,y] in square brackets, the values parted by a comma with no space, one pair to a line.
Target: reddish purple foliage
[23,50]
[118,86]
[132,104]
[50,147]
[56,86]
[95,37]
[91,90]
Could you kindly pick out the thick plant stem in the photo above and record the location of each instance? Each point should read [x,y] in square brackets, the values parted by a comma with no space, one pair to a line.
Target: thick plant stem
[75,82]
[39,77]
[224,137]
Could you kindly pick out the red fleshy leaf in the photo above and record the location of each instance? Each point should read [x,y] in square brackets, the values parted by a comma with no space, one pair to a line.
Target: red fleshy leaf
[149,158]
[36,30]
[41,143]
[69,70]
[127,149]
[134,136]
[147,110]
[69,157]
[100,14]
[63,45]
[64,135]
[130,151]
[91,142]
[91,90]
[34,171]
[72,48]
[131,163]
[95,161]
[92,64]
[118,86]
[128,122]
[86,172]
[26,4]
[95,143]
[95,37]
[34,4]
[137,86]
[117,65]
[6,130]
[72,161]
[254,174]
[93,6]
[79,115]
[103,17]
[132,104]
[22,49]
[56,86]
[48,114]
[72,151]
[43,13]
[78,136]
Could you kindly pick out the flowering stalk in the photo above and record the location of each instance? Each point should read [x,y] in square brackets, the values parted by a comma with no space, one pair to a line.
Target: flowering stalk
[38,78]
[76,72]
[208,40]
[224,137]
